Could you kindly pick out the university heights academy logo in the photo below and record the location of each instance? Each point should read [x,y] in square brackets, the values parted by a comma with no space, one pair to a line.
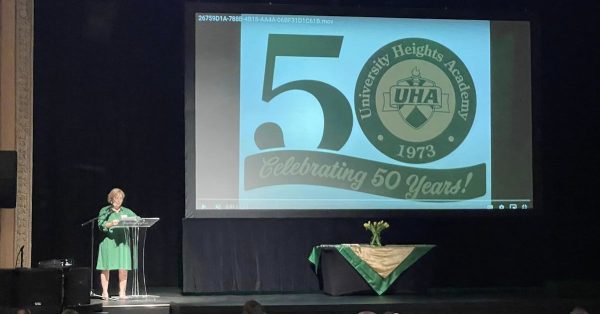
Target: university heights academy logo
[415,100]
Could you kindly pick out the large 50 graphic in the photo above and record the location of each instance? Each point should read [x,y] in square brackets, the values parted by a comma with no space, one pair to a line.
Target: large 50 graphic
[415,102]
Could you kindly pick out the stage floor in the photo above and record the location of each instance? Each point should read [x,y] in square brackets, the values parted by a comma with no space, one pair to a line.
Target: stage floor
[171,300]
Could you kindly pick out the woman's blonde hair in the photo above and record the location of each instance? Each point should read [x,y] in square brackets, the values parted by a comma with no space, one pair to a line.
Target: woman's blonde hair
[113,193]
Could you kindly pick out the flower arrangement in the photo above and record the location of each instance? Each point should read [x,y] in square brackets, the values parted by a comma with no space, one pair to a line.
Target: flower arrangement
[376,227]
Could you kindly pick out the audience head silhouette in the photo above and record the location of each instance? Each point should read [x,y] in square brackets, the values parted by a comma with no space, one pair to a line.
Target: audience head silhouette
[253,307]
[579,310]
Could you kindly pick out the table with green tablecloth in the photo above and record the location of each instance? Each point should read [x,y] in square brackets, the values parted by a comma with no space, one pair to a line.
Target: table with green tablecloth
[362,269]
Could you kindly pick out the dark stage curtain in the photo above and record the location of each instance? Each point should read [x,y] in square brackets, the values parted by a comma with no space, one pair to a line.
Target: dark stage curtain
[240,255]
[271,254]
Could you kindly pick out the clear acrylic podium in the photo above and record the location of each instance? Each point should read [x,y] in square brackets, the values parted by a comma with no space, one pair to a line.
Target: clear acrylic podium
[135,234]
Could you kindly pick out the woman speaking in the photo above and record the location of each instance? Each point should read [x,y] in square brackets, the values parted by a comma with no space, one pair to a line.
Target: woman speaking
[114,252]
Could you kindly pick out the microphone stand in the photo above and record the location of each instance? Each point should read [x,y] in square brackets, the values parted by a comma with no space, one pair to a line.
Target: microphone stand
[91,223]
[20,255]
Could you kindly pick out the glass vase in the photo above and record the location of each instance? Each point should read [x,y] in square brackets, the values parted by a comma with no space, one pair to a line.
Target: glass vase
[375,239]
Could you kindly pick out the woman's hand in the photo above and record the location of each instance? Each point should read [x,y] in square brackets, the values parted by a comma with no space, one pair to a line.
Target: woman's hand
[113,223]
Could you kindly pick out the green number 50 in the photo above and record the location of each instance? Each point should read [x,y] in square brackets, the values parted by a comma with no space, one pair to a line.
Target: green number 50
[337,113]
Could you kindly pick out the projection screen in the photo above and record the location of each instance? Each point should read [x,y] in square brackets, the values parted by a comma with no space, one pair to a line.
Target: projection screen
[316,113]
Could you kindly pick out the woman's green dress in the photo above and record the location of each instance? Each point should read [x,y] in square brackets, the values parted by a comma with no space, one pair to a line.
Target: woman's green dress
[114,251]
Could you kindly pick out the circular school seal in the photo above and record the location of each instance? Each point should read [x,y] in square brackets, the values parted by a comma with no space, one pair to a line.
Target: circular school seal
[415,100]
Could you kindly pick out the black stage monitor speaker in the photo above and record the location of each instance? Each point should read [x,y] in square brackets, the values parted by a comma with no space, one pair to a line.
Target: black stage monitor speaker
[39,289]
[7,295]
[8,179]
[77,286]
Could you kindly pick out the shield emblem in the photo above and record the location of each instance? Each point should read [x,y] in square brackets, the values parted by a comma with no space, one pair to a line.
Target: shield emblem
[415,99]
